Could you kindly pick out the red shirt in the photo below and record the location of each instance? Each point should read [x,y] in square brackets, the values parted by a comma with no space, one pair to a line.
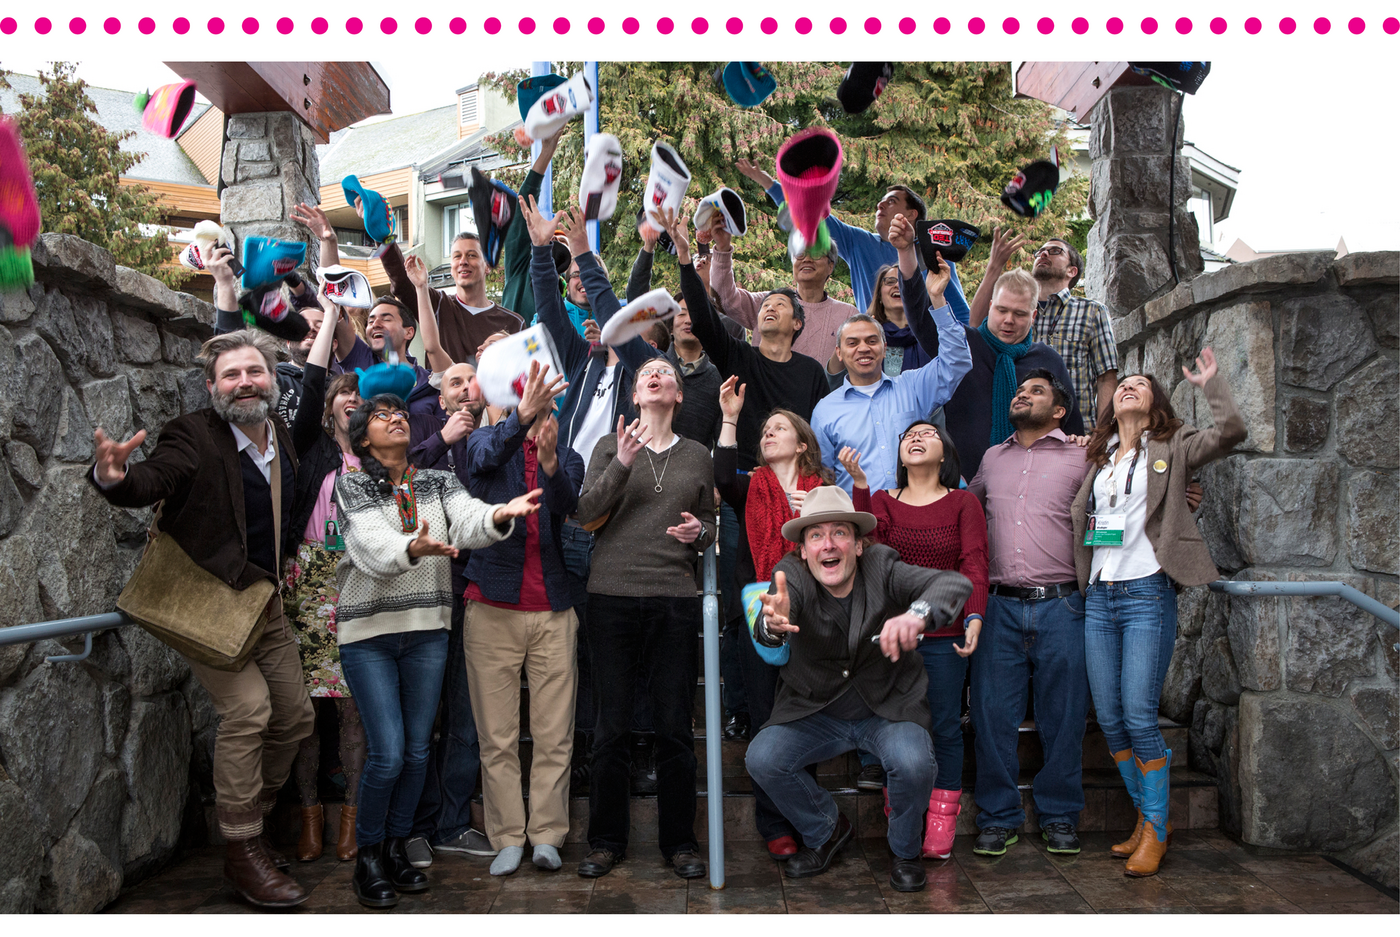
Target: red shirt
[533,597]
[950,533]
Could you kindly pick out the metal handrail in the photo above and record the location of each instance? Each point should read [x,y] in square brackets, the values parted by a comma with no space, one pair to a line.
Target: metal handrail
[714,740]
[1353,595]
[85,625]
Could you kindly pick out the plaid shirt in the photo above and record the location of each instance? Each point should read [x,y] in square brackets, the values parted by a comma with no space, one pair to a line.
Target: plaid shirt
[1080,330]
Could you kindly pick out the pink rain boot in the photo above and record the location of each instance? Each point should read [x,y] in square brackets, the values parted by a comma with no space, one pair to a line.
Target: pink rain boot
[940,823]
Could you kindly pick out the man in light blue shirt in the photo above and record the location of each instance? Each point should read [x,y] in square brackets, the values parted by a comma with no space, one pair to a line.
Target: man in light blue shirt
[870,409]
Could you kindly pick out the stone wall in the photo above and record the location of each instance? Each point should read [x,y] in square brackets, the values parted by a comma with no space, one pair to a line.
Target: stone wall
[97,758]
[1292,702]
[269,165]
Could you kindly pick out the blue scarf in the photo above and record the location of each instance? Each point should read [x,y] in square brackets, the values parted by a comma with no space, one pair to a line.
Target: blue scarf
[1003,380]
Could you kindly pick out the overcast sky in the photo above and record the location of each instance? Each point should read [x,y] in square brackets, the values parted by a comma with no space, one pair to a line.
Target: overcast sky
[1316,162]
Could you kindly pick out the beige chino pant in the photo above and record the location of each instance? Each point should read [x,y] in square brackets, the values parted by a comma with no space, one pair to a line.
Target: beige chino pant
[498,643]
[264,713]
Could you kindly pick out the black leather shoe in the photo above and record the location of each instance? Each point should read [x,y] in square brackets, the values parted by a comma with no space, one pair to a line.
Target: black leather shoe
[401,871]
[809,861]
[598,863]
[993,841]
[1060,838]
[371,882]
[688,864]
[907,875]
[871,778]
[737,728]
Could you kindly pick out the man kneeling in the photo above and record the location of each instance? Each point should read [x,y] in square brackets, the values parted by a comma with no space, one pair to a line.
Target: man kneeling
[849,681]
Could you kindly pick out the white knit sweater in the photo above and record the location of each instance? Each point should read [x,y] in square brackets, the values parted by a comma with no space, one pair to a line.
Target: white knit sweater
[382,590]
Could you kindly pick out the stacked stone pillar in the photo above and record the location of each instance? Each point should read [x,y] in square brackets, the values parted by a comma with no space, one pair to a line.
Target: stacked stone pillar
[269,165]
[1131,199]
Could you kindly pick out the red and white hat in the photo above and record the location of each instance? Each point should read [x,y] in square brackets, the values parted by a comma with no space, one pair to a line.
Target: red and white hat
[666,182]
[639,315]
[557,106]
[346,287]
[602,174]
[207,236]
[728,203]
[504,367]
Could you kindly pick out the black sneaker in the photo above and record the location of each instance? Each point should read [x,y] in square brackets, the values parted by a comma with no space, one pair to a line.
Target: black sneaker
[993,841]
[871,778]
[1061,838]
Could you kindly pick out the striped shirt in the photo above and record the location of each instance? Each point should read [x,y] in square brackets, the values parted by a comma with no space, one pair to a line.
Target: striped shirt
[1081,331]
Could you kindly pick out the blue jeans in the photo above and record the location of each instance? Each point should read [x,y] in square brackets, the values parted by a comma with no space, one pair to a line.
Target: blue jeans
[946,673]
[778,754]
[1021,639]
[396,680]
[1129,634]
[445,809]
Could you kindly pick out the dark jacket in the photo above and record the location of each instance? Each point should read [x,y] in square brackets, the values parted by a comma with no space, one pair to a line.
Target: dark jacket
[195,468]
[830,653]
[496,466]
[317,451]
[583,370]
[1171,527]
[700,416]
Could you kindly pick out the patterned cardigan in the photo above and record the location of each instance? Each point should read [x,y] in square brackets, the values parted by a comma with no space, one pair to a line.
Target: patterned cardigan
[383,590]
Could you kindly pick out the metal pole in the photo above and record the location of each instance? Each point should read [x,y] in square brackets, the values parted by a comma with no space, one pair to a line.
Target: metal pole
[714,737]
[1360,599]
[62,628]
[590,127]
[546,198]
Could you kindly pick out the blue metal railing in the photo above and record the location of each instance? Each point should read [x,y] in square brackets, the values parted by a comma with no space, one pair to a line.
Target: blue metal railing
[1361,600]
[714,739]
[84,625]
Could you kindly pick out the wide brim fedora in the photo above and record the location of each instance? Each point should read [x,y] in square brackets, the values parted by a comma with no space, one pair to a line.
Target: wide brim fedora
[823,505]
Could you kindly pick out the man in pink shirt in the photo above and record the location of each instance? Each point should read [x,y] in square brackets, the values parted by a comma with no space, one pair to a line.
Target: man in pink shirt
[1034,624]
[824,315]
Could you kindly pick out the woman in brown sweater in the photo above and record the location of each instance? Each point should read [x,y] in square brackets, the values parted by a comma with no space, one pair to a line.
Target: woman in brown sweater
[1135,543]
[649,497]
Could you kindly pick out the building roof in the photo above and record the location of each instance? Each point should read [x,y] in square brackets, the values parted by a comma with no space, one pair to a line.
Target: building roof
[164,161]
[388,144]
[472,150]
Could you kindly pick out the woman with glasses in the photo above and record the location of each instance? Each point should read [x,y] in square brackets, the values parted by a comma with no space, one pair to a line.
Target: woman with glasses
[393,619]
[1135,543]
[789,466]
[649,495]
[933,523]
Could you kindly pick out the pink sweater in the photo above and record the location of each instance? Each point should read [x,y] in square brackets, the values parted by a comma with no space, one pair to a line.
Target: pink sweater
[818,336]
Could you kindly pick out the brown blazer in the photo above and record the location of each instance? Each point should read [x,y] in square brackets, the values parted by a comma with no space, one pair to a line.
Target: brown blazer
[195,469]
[1171,527]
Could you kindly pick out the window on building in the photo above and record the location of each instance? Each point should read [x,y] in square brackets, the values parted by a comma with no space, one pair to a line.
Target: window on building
[1200,203]
[467,103]
[455,220]
[355,237]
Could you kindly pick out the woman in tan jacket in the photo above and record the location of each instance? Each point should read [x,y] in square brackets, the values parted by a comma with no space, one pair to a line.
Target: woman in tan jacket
[1135,543]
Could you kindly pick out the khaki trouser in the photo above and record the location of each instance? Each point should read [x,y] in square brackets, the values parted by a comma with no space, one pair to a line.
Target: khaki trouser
[497,643]
[264,713]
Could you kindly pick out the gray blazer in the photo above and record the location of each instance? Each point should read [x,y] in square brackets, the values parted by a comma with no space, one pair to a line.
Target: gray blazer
[1171,527]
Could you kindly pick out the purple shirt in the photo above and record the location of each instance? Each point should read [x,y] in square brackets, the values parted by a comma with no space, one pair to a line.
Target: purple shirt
[1027,494]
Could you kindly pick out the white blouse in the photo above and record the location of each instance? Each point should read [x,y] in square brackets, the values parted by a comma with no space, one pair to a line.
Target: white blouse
[1135,559]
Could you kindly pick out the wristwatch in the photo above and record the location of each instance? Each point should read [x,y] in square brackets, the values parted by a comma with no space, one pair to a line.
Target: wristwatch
[920,608]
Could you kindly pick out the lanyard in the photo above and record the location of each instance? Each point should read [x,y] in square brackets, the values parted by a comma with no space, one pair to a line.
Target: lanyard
[1112,476]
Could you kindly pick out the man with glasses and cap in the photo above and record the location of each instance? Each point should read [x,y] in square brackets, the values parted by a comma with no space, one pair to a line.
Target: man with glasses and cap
[850,617]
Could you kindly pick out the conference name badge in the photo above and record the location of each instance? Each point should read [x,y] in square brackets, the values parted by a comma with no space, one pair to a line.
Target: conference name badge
[334,541]
[1105,530]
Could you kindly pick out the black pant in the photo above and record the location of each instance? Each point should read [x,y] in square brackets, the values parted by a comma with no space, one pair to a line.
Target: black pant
[650,642]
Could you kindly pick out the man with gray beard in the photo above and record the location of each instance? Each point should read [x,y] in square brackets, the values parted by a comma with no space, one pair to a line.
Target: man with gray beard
[213,470]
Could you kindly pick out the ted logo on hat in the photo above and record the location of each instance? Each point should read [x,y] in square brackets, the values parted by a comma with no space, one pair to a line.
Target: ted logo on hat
[941,235]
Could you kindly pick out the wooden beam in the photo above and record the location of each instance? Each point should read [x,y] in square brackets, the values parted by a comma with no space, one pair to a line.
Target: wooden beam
[1074,86]
[326,96]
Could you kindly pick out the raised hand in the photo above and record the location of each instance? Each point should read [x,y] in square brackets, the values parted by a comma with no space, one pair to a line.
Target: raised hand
[1005,243]
[457,427]
[901,234]
[591,333]
[577,229]
[417,271]
[1205,368]
[688,531]
[719,234]
[423,545]
[547,445]
[776,605]
[522,506]
[749,169]
[731,397]
[630,440]
[900,633]
[541,228]
[649,234]
[675,224]
[112,456]
[937,280]
[538,392]
[314,218]
[850,461]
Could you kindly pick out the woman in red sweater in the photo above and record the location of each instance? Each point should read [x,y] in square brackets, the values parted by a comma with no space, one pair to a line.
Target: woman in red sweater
[934,524]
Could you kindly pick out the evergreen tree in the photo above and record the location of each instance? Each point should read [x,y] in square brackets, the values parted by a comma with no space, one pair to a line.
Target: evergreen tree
[949,130]
[77,165]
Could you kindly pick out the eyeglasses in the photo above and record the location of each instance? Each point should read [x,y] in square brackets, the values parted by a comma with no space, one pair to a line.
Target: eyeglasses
[1052,251]
[573,276]
[388,416]
[929,433]
[889,281]
[659,372]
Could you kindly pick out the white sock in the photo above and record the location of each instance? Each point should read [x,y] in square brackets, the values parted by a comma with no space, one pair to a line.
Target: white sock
[547,857]
[508,860]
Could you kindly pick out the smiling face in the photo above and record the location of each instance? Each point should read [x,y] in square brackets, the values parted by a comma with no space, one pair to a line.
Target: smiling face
[1034,407]
[775,317]
[460,391]
[657,386]
[468,266]
[830,551]
[779,442]
[1011,315]
[1134,395]
[314,318]
[386,330]
[243,390]
[813,271]
[680,326]
[386,435]
[890,296]
[862,351]
[921,445]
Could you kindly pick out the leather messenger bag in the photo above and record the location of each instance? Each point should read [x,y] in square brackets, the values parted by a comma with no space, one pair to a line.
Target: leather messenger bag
[191,609]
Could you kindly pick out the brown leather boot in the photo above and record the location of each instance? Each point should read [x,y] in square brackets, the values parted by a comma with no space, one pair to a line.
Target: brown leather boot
[345,844]
[279,861]
[313,833]
[252,874]
[1126,848]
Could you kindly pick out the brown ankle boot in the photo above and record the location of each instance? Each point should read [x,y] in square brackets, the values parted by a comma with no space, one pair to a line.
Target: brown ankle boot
[252,874]
[345,844]
[313,833]
[1126,848]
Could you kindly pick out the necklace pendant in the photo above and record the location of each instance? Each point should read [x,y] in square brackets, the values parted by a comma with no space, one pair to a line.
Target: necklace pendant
[658,486]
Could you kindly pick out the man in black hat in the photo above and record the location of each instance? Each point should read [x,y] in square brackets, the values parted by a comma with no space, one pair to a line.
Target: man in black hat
[850,615]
